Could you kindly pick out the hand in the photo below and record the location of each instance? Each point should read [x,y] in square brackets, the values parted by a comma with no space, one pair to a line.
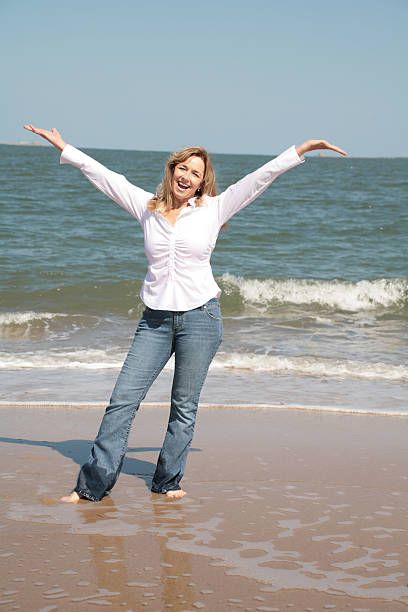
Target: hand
[315,145]
[53,136]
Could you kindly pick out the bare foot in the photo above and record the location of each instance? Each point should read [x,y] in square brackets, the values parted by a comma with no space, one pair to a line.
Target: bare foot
[176,494]
[72,498]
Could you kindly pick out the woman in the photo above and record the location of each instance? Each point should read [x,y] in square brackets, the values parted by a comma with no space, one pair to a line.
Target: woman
[182,315]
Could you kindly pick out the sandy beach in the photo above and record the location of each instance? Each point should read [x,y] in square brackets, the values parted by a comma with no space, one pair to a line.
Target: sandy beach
[285,509]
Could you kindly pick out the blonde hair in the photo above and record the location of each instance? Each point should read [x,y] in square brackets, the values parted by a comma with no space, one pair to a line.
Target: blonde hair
[164,199]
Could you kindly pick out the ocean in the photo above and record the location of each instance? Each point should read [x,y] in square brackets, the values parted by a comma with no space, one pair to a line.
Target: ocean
[313,276]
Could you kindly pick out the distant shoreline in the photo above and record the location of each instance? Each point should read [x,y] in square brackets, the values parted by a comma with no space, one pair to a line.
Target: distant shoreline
[24,143]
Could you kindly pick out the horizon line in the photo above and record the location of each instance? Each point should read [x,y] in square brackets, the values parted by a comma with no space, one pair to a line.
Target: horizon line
[24,143]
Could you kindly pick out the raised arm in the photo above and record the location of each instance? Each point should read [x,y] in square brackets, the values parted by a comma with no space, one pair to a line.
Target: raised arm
[245,191]
[115,186]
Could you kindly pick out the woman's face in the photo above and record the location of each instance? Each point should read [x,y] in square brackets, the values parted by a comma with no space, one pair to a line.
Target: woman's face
[187,178]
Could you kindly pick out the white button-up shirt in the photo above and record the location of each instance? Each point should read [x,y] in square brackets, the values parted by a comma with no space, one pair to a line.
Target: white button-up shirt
[179,275]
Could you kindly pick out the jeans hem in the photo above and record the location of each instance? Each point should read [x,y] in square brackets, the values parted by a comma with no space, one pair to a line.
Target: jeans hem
[86,495]
[164,491]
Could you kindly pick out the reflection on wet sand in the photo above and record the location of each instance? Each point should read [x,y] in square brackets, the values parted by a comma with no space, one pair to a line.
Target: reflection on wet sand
[176,571]
[166,582]
[107,555]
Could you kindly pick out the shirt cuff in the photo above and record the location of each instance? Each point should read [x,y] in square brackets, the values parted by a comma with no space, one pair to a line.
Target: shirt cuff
[70,155]
[286,160]
[299,158]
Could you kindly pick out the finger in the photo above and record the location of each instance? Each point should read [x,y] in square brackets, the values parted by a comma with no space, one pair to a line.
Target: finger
[32,128]
[325,144]
[41,132]
[337,149]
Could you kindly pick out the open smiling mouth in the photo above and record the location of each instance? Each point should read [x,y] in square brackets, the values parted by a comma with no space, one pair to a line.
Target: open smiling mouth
[182,186]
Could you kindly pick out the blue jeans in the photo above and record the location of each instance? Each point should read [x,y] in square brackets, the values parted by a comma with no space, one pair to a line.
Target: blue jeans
[194,337]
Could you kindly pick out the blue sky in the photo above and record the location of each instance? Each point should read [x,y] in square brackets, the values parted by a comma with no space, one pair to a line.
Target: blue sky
[235,76]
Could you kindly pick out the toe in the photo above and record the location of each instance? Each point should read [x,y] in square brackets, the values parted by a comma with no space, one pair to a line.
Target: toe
[73,498]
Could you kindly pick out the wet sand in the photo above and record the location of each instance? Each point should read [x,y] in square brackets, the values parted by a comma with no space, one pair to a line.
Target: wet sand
[286,509]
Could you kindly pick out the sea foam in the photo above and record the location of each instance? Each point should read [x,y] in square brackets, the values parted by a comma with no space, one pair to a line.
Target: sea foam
[335,294]
[311,366]
[30,323]
[99,359]
[21,318]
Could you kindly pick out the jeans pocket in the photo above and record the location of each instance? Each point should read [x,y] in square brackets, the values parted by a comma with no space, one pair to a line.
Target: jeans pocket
[152,318]
[213,311]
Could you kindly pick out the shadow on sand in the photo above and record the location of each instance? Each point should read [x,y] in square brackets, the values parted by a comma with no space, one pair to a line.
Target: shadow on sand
[78,451]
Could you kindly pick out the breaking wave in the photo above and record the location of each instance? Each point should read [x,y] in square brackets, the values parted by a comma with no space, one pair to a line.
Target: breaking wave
[335,294]
[31,324]
[99,359]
